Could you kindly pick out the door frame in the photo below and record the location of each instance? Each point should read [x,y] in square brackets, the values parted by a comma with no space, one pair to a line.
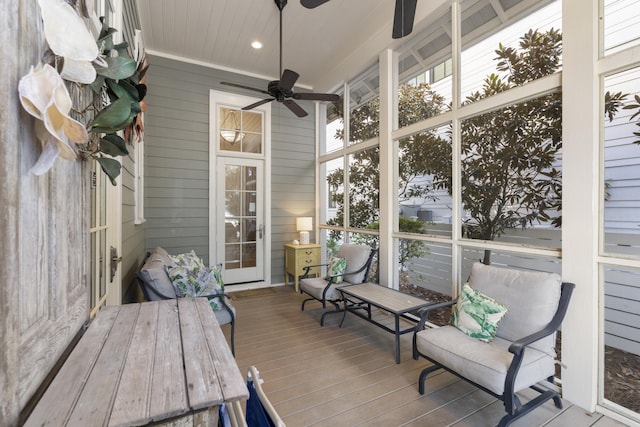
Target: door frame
[224,98]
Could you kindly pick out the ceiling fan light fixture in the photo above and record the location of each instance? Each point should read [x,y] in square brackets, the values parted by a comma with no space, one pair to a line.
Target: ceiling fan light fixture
[235,134]
[232,136]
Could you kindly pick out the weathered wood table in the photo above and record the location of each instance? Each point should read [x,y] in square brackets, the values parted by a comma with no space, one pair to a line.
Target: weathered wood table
[164,362]
[363,296]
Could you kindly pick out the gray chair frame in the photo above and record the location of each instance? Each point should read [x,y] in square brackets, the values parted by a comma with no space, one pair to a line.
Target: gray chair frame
[331,280]
[513,406]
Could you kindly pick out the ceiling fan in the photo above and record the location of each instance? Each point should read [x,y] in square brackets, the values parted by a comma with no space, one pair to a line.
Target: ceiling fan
[402,19]
[282,90]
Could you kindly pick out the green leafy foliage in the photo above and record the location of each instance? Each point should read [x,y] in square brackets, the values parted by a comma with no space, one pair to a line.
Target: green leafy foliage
[119,78]
[111,168]
[635,106]
[113,145]
[507,155]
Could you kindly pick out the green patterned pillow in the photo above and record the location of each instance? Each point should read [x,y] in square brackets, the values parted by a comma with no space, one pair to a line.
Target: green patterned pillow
[336,266]
[477,315]
[197,281]
[189,260]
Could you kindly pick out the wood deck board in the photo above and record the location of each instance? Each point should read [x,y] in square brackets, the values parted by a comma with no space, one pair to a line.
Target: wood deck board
[347,376]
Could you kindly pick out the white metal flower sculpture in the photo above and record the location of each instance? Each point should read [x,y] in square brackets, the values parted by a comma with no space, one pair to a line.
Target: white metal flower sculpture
[107,70]
[69,38]
[44,96]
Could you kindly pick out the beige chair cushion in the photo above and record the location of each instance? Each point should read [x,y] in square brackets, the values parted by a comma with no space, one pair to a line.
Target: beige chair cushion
[356,256]
[314,286]
[483,363]
[531,297]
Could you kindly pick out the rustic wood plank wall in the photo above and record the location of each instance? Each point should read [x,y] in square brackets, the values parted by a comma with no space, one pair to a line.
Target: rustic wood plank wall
[43,230]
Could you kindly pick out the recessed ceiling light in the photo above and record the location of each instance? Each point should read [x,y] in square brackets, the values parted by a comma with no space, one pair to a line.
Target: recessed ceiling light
[256,44]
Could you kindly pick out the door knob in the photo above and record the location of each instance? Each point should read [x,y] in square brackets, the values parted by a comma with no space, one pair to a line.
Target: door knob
[115,259]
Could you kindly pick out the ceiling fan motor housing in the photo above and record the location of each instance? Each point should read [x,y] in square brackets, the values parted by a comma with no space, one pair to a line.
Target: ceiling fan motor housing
[277,92]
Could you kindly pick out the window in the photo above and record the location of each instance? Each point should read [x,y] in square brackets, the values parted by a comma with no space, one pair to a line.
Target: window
[424,182]
[511,181]
[621,25]
[240,131]
[484,34]
[621,186]
[425,69]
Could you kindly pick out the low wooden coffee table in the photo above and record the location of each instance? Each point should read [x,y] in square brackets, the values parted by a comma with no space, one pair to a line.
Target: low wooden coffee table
[361,297]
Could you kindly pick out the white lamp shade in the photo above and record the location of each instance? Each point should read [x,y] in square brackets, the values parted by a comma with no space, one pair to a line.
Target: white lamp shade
[304,223]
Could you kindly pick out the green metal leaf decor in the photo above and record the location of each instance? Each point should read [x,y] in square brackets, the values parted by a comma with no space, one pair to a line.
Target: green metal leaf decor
[118,94]
[114,117]
[113,145]
[110,167]
[118,68]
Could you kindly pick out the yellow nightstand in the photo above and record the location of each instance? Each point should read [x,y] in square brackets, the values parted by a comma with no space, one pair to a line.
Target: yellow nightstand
[296,257]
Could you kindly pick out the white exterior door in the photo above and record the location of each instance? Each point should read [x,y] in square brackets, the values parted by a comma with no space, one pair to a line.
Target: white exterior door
[241,219]
[238,227]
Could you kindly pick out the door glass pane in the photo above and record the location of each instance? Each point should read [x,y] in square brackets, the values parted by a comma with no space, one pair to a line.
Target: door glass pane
[232,256]
[248,255]
[93,194]
[240,216]
[102,182]
[95,272]
[104,263]
[252,143]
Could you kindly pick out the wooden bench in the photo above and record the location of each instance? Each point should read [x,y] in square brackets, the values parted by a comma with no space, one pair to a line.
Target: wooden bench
[163,362]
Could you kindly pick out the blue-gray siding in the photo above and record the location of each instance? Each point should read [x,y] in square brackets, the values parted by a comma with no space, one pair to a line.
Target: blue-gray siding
[177,161]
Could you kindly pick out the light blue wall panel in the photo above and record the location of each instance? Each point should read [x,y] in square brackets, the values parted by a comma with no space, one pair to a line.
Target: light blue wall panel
[177,165]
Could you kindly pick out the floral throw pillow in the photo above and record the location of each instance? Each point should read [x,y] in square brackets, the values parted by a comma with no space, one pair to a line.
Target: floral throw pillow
[336,266]
[477,315]
[190,260]
[192,281]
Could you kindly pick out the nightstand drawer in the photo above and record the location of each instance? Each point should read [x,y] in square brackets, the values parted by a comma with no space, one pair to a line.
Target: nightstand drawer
[297,257]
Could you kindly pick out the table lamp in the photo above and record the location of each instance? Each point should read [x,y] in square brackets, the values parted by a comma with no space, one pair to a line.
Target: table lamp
[304,225]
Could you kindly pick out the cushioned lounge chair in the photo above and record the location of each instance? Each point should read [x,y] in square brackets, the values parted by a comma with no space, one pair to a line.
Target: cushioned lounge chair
[324,289]
[522,354]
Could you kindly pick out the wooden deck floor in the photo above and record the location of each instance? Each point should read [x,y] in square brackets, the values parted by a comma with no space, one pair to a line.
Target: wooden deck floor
[331,376]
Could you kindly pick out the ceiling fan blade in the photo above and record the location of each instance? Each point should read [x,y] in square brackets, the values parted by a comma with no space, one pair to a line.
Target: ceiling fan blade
[287,80]
[310,96]
[310,4]
[245,87]
[403,18]
[257,104]
[294,107]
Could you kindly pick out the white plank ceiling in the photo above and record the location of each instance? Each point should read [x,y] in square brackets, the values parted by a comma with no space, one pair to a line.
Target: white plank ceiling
[326,45]
[219,32]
